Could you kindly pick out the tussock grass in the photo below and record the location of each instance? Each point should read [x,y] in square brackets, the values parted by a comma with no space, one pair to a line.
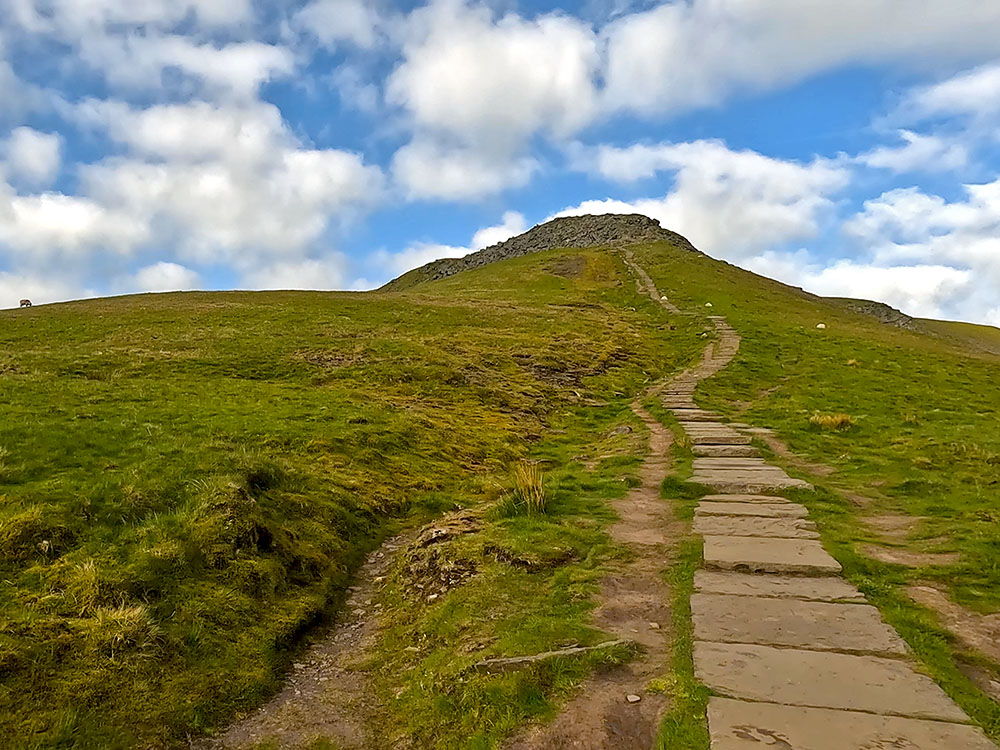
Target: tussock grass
[529,491]
[832,422]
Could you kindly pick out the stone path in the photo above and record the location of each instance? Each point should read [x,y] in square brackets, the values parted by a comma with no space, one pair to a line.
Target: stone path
[794,655]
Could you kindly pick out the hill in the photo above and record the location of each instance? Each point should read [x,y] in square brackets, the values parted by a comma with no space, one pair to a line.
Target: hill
[188,481]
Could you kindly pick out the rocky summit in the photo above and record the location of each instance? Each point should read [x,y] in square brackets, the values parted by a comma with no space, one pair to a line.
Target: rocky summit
[603,230]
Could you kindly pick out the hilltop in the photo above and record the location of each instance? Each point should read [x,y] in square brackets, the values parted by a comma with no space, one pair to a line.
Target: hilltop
[190,482]
[603,230]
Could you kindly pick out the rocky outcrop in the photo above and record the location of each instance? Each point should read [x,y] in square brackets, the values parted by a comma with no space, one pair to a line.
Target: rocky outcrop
[605,230]
[882,312]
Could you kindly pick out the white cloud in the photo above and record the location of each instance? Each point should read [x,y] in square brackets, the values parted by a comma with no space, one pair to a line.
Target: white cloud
[223,180]
[31,156]
[972,92]
[426,169]
[323,273]
[165,277]
[954,248]
[477,89]
[214,183]
[926,153]
[17,96]
[192,131]
[732,204]
[78,17]
[513,223]
[236,69]
[52,224]
[681,55]
[144,45]
[922,290]
[333,21]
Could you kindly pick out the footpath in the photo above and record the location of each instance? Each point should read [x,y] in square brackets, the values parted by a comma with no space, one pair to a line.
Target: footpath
[795,657]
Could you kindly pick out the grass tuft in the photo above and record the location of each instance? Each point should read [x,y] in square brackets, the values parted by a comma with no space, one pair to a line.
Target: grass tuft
[832,422]
[528,496]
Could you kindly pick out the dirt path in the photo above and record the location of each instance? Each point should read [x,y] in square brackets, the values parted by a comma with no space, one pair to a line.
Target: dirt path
[325,695]
[634,600]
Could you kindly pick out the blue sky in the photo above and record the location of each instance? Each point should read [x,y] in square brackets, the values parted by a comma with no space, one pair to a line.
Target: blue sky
[849,147]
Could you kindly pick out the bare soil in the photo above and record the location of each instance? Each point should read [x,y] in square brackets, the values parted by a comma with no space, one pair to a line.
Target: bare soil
[893,527]
[634,605]
[976,631]
[908,558]
[326,695]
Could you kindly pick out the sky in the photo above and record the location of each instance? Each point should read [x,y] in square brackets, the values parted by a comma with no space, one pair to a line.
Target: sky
[851,147]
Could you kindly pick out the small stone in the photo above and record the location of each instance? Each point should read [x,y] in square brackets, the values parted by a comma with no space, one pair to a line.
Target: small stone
[633,698]
[432,597]
[654,625]
[708,304]
[411,648]
[821,326]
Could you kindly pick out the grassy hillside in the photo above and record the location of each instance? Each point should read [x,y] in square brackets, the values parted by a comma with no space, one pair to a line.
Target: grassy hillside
[186,480]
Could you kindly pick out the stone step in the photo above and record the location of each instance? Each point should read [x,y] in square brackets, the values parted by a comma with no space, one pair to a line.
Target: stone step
[823,589]
[817,626]
[821,679]
[742,725]
[720,485]
[725,451]
[778,528]
[745,498]
[735,439]
[765,510]
[746,462]
[759,554]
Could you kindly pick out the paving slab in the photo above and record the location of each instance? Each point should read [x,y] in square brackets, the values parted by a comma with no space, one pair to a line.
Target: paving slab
[720,440]
[741,725]
[743,497]
[781,528]
[731,462]
[758,554]
[765,510]
[750,485]
[818,626]
[692,416]
[720,451]
[821,679]
[825,588]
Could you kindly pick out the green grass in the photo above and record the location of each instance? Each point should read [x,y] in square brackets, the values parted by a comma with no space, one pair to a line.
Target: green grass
[188,480]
